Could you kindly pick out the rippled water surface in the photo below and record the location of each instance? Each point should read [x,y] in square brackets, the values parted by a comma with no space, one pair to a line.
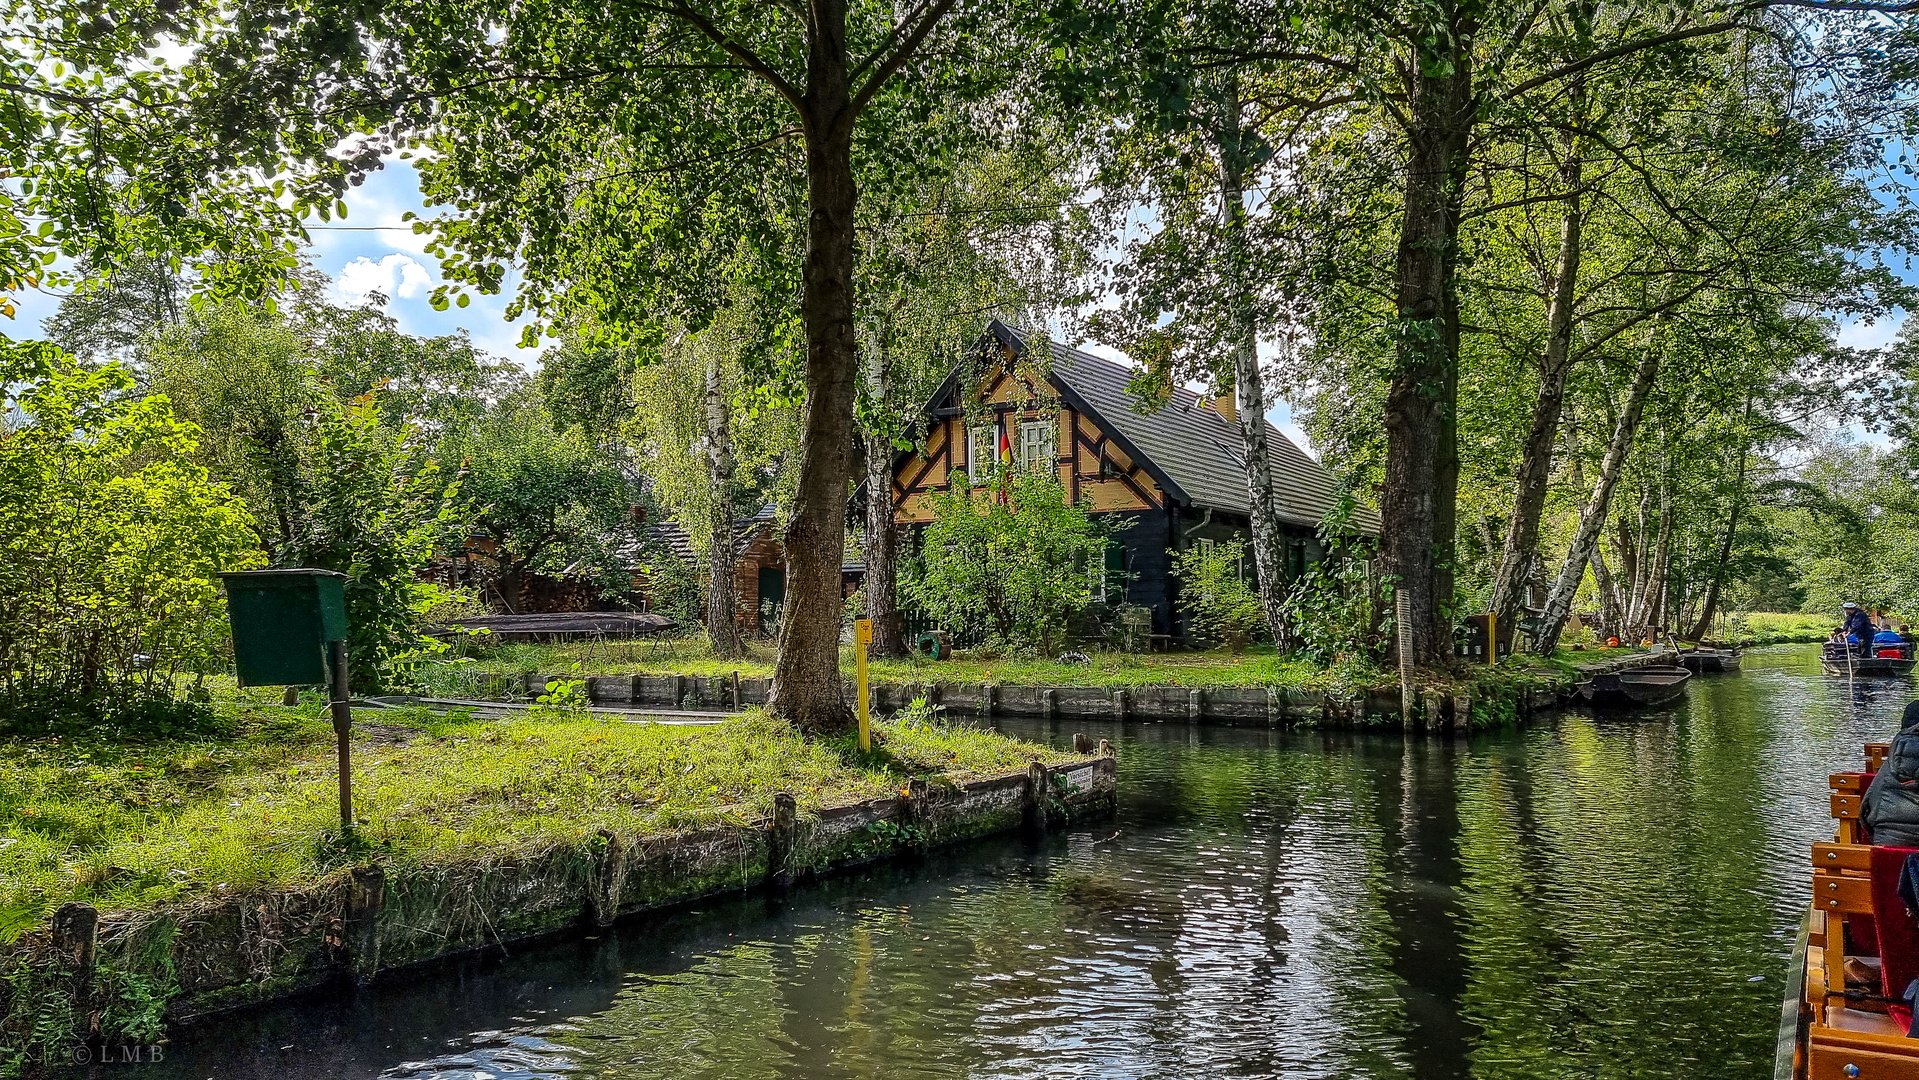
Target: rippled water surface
[1584,898]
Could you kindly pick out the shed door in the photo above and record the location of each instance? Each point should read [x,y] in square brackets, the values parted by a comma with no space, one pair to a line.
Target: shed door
[772,596]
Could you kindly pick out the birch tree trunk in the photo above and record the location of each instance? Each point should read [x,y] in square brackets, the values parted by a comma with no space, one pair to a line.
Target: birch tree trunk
[1710,606]
[1249,391]
[1593,514]
[722,555]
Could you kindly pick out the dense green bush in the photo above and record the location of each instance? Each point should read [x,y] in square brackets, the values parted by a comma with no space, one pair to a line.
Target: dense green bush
[1012,562]
[339,483]
[111,538]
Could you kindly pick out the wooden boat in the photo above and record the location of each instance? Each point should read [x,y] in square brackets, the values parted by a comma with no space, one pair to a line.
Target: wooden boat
[1704,659]
[1636,687]
[1837,659]
[1829,1030]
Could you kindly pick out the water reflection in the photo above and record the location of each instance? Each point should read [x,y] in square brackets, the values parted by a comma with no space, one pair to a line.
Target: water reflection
[1590,898]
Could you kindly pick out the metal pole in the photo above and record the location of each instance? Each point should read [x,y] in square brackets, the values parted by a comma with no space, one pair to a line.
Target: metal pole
[339,703]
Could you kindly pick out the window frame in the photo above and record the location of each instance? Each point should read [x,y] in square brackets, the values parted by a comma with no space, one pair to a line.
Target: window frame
[1047,441]
[975,468]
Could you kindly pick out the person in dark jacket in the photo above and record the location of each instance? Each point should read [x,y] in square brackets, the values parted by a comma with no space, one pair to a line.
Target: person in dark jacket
[1891,806]
[1858,625]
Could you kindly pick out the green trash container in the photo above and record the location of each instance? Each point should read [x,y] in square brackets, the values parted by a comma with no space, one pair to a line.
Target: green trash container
[283,621]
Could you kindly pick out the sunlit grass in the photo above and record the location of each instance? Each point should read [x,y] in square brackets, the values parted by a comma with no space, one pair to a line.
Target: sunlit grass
[692,657]
[122,826]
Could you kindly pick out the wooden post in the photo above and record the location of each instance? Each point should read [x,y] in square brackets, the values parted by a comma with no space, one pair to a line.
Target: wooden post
[1049,703]
[365,900]
[734,683]
[340,704]
[1435,716]
[1035,798]
[987,694]
[679,692]
[1119,705]
[1463,713]
[862,703]
[76,935]
[1194,700]
[609,873]
[783,829]
[1403,623]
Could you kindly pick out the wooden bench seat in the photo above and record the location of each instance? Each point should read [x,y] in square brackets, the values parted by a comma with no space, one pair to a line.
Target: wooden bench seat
[1843,1018]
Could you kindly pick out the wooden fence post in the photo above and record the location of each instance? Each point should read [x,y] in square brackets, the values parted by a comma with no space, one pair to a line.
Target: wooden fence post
[1034,810]
[365,900]
[76,935]
[784,827]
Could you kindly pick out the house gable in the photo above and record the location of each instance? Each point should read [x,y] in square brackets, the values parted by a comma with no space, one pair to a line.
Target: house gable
[1092,464]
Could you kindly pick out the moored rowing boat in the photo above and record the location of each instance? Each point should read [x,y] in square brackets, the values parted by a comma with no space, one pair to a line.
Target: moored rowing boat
[1635,687]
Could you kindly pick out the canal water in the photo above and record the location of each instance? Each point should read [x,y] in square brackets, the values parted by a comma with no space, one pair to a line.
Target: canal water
[1587,897]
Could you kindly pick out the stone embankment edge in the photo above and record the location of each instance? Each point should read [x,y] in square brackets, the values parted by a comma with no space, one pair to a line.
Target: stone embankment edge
[374,921]
[1438,711]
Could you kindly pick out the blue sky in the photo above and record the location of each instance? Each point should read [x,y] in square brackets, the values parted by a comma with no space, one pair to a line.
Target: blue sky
[372,249]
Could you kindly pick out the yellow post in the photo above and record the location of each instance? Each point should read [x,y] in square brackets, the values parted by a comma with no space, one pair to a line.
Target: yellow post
[1492,638]
[862,637]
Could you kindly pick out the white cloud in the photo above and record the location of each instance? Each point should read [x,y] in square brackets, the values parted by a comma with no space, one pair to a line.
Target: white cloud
[396,276]
[1872,334]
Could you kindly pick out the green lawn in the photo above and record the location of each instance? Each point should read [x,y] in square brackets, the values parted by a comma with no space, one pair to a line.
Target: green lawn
[1779,628]
[691,656]
[124,826]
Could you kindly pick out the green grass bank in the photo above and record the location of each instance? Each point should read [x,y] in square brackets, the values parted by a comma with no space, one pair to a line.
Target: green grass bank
[218,873]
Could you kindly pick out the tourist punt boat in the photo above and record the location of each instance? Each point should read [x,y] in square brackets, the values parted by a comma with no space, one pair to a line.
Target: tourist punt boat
[1707,659]
[1830,1029]
[1886,661]
[1635,687]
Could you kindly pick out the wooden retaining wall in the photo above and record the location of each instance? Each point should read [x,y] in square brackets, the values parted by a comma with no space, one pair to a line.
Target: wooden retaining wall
[1252,706]
[370,921]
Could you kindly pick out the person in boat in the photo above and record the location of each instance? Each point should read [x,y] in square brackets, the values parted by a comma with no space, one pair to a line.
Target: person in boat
[1887,642]
[1890,808]
[1857,624]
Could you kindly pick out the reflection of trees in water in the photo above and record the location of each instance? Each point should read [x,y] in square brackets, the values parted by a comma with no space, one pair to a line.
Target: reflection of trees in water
[1585,898]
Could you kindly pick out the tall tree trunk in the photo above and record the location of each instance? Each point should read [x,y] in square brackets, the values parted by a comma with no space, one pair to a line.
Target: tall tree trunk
[1710,606]
[1536,455]
[1420,488]
[1249,389]
[1654,615]
[1641,554]
[806,676]
[1593,515]
[881,552]
[722,592]
[1611,611]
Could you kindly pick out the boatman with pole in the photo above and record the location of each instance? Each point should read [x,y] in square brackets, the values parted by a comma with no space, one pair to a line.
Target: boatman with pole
[1858,627]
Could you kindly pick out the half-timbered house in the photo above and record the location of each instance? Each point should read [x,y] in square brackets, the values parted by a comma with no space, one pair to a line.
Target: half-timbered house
[1172,469]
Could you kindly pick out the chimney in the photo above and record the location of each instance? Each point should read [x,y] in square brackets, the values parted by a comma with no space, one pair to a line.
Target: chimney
[1227,408]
